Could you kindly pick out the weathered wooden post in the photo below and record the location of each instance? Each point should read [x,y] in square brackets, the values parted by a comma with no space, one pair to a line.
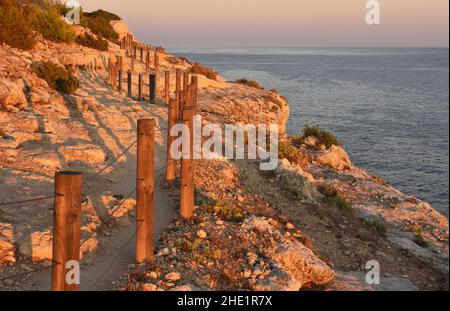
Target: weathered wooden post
[66,230]
[129,91]
[171,169]
[178,83]
[152,88]
[156,62]
[187,167]
[145,190]
[194,90]
[120,81]
[167,87]
[140,87]
[185,81]
[147,61]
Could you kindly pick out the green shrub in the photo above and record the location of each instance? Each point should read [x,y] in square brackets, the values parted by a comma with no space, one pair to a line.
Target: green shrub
[15,25]
[419,239]
[323,137]
[226,211]
[378,225]
[250,83]
[92,42]
[98,23]
[286,150]
[49,23]
[199,69]
[340,201]
[57,77]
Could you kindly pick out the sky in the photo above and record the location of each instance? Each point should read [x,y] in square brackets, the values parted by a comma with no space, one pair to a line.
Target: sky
[281,23]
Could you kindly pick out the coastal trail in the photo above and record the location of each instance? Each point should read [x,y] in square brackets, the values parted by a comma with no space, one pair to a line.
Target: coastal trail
[108,127]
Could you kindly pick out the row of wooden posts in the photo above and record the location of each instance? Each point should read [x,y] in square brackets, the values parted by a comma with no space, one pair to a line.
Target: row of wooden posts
[68,185]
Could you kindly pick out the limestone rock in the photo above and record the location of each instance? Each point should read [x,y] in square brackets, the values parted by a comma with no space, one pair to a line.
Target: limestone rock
[38,246]
[299,261]
[12,97]
[335,157]
[87,153]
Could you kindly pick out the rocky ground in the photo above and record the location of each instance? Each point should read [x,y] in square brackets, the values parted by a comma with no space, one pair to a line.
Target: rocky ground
[281,230]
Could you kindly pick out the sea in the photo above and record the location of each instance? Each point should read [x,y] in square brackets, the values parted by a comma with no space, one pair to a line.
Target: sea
[388,107]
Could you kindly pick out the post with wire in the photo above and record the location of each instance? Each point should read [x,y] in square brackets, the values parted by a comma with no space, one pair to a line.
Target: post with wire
[66,229]
[187,166]
[171,169]
[152,88]
[145,190]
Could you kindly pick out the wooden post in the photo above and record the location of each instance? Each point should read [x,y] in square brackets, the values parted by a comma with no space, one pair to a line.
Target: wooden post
[130,95]
[171,169]
[185,81]
[152,88]
[142,54]
[120,81]
[145,190]
[147,61]
[178,83]
[140,87]
[187,168]
[194,96]
[156,62]
[66,227]
[167,87]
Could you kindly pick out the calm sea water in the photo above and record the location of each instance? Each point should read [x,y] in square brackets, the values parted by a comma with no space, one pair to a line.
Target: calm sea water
[388,107]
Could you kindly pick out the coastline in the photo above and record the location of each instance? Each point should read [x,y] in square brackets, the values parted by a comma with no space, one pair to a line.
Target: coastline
[288,213]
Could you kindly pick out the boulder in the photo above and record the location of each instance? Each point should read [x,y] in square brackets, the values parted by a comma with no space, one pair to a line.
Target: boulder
[300,262]
[335,157]
[12,97]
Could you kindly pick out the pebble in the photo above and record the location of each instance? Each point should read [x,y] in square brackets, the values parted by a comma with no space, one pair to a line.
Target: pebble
[173,276]
[290,226]
[219,222]
[201,234]
[247,274]
[152,275]
[149,287]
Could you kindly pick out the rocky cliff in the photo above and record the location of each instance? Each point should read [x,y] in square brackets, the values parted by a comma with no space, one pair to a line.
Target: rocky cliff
[312,223]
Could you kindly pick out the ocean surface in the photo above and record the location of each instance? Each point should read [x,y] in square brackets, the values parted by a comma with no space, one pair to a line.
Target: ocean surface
[388,107]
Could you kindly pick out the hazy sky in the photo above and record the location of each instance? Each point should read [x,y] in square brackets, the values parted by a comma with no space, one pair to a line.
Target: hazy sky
[281,23]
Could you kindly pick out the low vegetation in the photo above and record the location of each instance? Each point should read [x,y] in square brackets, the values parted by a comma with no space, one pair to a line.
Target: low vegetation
[340,201]
[286,150]
[90,41]
[199,69]
[57,77]
[377,225]
[322,136]
[226,211]
[49,24]
[419,239]
[16,25]
[250,83]
[99,23]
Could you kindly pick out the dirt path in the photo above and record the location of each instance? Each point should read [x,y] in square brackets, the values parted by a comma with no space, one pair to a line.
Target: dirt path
[112,127]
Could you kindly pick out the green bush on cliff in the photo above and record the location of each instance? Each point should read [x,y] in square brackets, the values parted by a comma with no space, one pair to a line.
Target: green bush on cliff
[340,201]
[250,83]
[16,25]
[49,23]
[99,23]
[92,42]
[199,69]
[322,136]
[286,150]
[58,78]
